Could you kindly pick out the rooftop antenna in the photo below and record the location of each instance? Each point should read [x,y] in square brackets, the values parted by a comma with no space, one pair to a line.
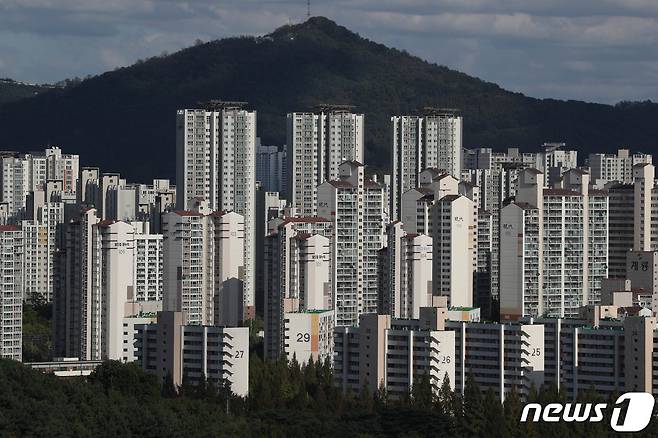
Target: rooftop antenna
[308,9]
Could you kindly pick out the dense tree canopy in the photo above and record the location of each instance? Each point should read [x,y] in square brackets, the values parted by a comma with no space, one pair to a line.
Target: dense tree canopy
[286,400]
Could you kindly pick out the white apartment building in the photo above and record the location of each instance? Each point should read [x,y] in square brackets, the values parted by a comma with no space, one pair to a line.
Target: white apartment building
[417,203]
[407,267]
[113,258]
[298,274]
[416,212]
[554,161]
[309,334]
[406,158]
[633,217]
[553,247]
[356,207]
[268,206]
[25,173]
[421,142]
[499,357]
[618,167]
[98,272]
[486,158]
[454,237]
[148,265]
[216,160]
[88,180]
[134,202]
[11,292]
[645,197]
[15,184]
[145,312]
[383,352]
[317,143]
[62,167]
[39,247]
[194,353]
[482,296]
[99,190]
[271,168]
[599,350]
[496,174]
[203,265]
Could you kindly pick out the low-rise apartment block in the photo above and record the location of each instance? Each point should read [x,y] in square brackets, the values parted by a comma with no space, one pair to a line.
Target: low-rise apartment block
[193,353]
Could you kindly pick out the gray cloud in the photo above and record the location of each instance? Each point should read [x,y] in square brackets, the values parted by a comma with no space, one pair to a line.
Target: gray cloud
[598,50]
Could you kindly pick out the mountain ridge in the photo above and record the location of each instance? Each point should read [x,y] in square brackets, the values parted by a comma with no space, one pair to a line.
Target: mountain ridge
[123,119]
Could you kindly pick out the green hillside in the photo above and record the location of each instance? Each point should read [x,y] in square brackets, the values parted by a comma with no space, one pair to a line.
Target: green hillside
[124,120]
[11,90]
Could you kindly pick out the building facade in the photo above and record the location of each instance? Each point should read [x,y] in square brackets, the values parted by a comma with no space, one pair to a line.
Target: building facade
[421,142]
[298,274]
[216,160]
[553,247]
[204,266]
[11,293]
[317,143]
[355,206]
[194,353]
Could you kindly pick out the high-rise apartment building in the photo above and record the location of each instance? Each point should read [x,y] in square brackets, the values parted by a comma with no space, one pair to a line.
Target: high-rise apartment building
[554,161]
[40,240]
[101,273]
[454,237]
[355,205]
[407,267]
[421,142]
[203,265]
[271,168]
[148,266]
[216,160]
[553,247]
[298,274]
[15,184]
[621,201]
[317,143]
[62,167]
[73,300]
[618,167]
[11,292]
[21,174]
[633,217]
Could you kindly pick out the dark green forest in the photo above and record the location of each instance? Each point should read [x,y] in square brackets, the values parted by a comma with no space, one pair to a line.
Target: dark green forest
[285,400]
[131,111]
[11,90]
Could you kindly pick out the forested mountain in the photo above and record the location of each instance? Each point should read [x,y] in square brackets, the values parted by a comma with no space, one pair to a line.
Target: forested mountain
[124,120]
[11,91]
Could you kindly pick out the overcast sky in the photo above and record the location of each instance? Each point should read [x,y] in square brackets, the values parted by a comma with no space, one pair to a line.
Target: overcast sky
[596,50]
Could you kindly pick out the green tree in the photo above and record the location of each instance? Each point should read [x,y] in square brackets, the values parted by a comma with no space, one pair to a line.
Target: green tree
[473,409]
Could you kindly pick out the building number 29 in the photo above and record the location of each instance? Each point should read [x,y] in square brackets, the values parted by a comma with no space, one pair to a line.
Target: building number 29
[303,337]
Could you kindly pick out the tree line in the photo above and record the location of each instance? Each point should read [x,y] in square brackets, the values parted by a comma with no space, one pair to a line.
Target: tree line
[286,400]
